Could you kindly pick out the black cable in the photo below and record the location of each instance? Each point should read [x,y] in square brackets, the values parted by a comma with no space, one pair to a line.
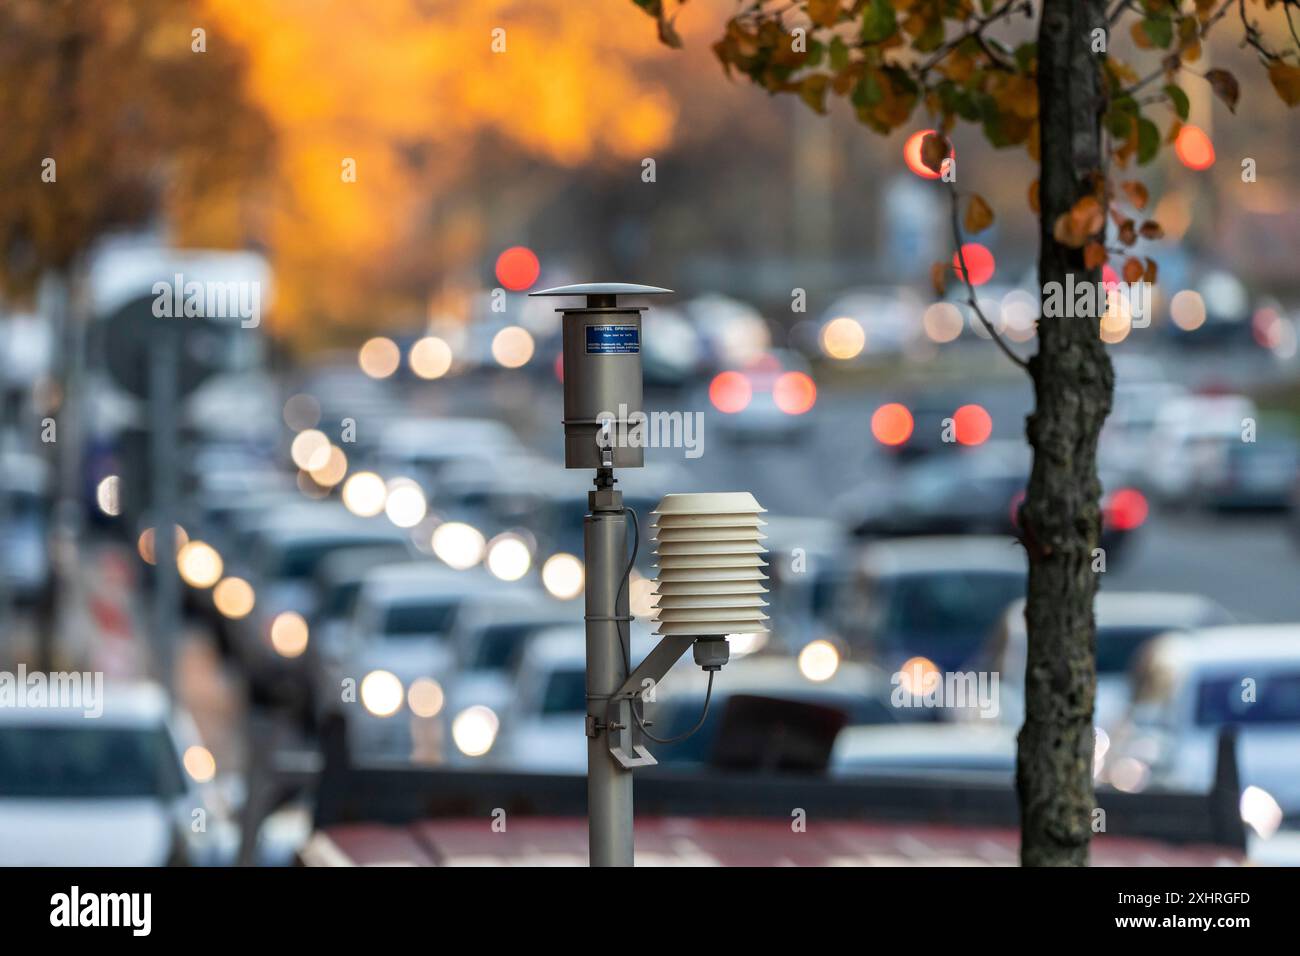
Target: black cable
[625,638]
[708,695]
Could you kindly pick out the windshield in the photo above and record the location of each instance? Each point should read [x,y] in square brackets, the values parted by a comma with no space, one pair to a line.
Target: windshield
[88,761]
[566,693]
[1116,646]
[406,620]
[952,609]
[1272,699]
[500,644]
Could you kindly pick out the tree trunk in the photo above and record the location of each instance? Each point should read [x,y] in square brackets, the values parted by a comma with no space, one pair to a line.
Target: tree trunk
[1061,517]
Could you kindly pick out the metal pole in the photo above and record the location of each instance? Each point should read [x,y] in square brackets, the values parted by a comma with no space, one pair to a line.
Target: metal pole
[609,785]
[162,449]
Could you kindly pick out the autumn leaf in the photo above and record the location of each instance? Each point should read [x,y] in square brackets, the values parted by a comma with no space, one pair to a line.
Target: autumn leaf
[1136,192]
[939,277]
[1286,80]
[1133,270]
[1225,87]
[1150,275]
[934,150]
[1151,230]
[824,13]
[979,216]
[1128,232]
[1094,255]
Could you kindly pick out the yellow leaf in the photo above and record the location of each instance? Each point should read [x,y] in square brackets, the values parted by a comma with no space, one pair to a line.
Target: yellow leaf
[1136,192]
[1286,80]
[979,216]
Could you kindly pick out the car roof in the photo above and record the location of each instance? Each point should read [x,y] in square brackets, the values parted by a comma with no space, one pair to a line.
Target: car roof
[1212,647]
[125,704]
[923,740]
[989,553]
[1171,609]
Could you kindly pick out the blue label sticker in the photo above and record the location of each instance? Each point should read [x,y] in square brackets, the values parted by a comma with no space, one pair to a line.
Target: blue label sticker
[613,339]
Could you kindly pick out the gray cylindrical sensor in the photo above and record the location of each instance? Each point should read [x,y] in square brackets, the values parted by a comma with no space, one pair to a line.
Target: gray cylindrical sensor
[602,375]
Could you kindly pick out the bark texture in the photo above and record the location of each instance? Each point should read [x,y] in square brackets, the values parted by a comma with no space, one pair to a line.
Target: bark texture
[1061,518]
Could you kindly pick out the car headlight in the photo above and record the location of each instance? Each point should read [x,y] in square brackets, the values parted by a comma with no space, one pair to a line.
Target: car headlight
[381,693]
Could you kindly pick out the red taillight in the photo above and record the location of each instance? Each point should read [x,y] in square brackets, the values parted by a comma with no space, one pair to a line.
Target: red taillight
[1126,509]
[730,392]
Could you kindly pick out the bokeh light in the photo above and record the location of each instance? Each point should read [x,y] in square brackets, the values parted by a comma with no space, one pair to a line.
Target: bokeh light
[979,260]
[430,358]
[108,495]
[234,598]
[289,634]
[843,338]
[730,392]
[794,393]
[819,660]
[199,564]
[301,411]
[364,494]
[508,557]
[475,730]
[1194,148]
[517,268]
[563,576]
[512,347]
[918,675]
[332,472]
[310,450]
[381,693]
[891,424]
[458,545]
[425,697]
[404,503]
[912,155]
[379,357]
[199,763]
[1187,310]
[942,322]
[972,425]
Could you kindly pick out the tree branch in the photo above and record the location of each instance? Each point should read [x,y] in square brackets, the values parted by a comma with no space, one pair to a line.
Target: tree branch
[1200,35]
[975,30]
[971,300]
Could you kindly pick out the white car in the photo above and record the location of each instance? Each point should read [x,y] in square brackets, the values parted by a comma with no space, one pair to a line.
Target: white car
[923,749]
[1126,621]
[420,448]
[110,790]
[400,633]
[1187,454]
[543,728]
[1187,687]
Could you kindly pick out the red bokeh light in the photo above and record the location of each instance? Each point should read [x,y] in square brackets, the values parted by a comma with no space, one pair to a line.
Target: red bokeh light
[979,261]
[794,393]
[730,392]
[517,268]
[558,367]
[1109,277]
[1194,148]
[912,155]
[1126,509]
[972,425]
[892,424]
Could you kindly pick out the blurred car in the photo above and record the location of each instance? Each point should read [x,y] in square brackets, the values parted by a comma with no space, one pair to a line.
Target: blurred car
[975,491]
[1126,621]
[109,791]
[489,638]
[1258,475]
[808,562]
[542,729]
[420,448]
[1128,433]
[400,634]
[286,551]
[859,691]
[934,598]
[1188,686]
[946,750]
[767,399]
[25,569]
[1189,445]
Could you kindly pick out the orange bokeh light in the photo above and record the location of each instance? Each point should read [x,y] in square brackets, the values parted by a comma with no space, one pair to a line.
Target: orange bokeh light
[912,155]
[730,392]
[892,424]
[979,261]
[972,425]
[1194,148]
[518,268]
[794,393]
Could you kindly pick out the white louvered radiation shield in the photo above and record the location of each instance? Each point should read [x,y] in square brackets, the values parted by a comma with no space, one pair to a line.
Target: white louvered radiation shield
[710,565]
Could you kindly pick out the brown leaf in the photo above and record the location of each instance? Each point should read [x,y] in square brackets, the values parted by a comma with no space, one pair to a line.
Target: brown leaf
[979,216]
[1136,192]
[824,13]
[1225,87]
[1151,230]
[1150,275]
[1286,80]
[1128,232]
[934,150]
[1033,197]
[1088,216]
[1094,255]
[1133,270]
[939,277]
